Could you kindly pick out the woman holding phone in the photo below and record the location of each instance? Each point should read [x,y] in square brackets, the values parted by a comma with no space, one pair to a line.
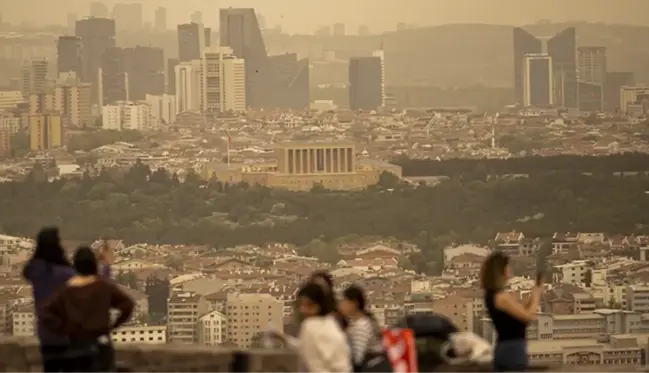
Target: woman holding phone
[508,315]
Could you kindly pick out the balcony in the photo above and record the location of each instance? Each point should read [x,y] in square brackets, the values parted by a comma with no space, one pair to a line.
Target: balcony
[22,355]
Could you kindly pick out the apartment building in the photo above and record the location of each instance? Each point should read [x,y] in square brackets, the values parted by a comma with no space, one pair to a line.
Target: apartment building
[567,299]
[140,334]
[250,314]
[126,115]
[188,86]
[637,298]
[183,313]
[22,320]
[212,329]
[10,122]
[45,131]
[163,109]
[10,100]
[34,76]
[571,273]
[579,326]
[5,143]
[457,309]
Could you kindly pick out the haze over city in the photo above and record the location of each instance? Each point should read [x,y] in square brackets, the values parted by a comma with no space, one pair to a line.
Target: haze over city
[380,15]
[324,175]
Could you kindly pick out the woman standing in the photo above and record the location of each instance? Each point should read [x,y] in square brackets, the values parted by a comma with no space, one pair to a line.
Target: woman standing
[321,343]
[368,353]
[508,315]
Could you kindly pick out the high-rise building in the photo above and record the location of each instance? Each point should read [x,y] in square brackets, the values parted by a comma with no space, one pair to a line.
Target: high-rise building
[363,30]
[70,98]
[126,115]
[163,109]
[97,35]
[128,16]
[250,314]
[183,313]
[614,83]
[9,100]
[591,97]
[537,80]
[160,22]
[340,29]
[71,20]
[171,75]
[34,76]
[196,17]
[592,64]
[191,41]
[98,10]
[188,86]
[144,67]
[271,82]
[381,54]
[365,78]
[562,49]
[208,37]
[114,78]
[223,81]
[69,55]
[45,131]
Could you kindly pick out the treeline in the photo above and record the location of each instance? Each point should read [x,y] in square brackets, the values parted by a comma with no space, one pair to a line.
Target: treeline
[153,206]
[628,162]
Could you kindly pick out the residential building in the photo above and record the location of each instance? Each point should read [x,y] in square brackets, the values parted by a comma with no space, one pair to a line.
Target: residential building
[45,131]
[365,83]
[250,314]
[457,309]
[191,41]
[10,122]
[22,320]
[188,86]
[140,334]
[572,273]
[5,143]
[212,329]
[163,109]
[634,95]
[34,76]
[70,98]
[223,81]
[10,99]
[637,298]
[183,313]
[126,115]
[538,80]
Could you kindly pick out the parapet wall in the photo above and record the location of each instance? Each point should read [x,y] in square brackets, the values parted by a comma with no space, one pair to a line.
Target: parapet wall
[23,355]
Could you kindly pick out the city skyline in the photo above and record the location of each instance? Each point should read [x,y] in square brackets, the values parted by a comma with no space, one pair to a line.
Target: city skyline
[379,17]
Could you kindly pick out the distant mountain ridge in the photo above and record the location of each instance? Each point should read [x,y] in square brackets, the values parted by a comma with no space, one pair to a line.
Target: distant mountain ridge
[469,54]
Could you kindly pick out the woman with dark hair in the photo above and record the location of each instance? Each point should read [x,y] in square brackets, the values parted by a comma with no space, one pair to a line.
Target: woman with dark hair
[81,312]
[321,342]
[364,333]
[48,270]
[508,315]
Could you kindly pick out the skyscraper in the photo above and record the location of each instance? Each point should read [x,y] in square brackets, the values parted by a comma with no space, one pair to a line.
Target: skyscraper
[144,67]
[97,35]
[614,83]
[98,10]
[208,37]
[69,55]
[128,17]
[223,81]
[537,80]
[365,89]
[191,41]
[562,48]
[114,79]
[188,86]
[171,75]
[271,82]
[160,21]
[592,64]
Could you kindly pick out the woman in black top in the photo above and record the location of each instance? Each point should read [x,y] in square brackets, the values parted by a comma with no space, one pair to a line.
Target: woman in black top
[508,315]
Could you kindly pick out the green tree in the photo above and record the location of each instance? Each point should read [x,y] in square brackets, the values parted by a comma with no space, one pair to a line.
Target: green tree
[19,145]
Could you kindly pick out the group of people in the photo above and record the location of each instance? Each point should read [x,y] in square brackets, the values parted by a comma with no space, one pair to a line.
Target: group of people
[72,305]
[336,336]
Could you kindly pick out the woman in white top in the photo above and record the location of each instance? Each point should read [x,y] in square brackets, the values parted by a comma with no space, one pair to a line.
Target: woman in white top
[364,333]
[322,344]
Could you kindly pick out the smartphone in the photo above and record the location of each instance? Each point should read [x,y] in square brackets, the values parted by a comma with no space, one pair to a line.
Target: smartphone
[540,275]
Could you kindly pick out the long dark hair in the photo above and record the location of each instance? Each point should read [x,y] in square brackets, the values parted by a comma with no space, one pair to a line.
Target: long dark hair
[318,296]
[48,249]
[327,277]
[85,262]
[492,274]
[356,294]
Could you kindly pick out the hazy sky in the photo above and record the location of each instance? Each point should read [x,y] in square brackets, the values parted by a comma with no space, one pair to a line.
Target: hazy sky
[303,16]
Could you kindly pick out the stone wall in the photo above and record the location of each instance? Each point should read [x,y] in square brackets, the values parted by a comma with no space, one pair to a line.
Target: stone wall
[22,355]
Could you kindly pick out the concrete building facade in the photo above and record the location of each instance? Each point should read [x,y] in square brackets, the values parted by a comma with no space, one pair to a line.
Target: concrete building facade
[188,86]
[250,314]
[45,131]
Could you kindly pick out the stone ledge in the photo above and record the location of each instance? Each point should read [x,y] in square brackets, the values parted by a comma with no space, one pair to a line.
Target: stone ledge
[23,355]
